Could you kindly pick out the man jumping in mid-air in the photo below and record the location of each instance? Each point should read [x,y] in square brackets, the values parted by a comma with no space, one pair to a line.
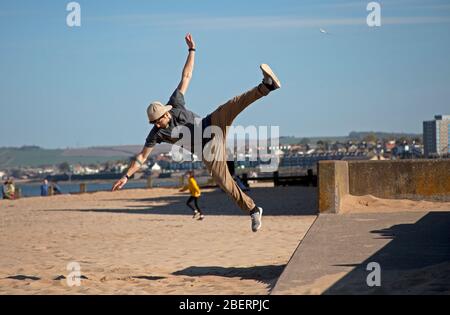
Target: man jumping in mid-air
[167,118]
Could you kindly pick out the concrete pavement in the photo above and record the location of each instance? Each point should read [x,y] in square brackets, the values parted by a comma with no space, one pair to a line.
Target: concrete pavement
[411,248]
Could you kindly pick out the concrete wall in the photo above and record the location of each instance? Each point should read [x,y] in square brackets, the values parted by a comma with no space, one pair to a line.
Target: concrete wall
[411,179]
[333,185]
[414,179]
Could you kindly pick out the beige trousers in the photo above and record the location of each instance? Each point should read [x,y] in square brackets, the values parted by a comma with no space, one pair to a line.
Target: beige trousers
[223,117]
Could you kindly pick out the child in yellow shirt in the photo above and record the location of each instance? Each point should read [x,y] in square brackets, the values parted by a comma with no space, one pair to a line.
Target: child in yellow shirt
[195,195]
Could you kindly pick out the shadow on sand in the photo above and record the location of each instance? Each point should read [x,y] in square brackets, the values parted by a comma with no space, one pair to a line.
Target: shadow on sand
[149,278]
[264,274]
[275,201]
[23,277]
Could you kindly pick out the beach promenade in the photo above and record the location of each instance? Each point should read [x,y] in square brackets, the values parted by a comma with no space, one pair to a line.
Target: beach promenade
[410,249]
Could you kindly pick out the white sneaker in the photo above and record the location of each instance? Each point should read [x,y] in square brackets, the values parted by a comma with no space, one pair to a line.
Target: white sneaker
[257,219]
[269,77]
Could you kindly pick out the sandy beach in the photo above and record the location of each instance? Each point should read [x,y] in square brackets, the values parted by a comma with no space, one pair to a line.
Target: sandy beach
[372,204]
[144,241]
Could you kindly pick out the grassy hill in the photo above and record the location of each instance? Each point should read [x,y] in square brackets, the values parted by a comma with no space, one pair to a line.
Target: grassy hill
[295,140]
[33,156]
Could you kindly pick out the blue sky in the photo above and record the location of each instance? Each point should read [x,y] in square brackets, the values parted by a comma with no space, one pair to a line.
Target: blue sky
[90,85]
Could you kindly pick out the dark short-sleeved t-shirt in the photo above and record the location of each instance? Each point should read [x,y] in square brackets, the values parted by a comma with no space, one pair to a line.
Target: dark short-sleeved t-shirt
[180,117]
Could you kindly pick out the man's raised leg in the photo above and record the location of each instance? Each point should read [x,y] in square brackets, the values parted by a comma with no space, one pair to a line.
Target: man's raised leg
[224,115]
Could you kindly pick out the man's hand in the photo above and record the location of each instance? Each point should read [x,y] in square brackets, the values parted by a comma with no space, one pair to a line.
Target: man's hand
[189,41]
[120,183]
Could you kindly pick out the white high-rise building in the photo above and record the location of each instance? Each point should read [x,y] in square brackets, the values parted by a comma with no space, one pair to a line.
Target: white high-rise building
[436,135]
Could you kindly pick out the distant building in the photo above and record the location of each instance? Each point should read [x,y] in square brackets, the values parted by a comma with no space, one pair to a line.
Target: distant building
[436,134]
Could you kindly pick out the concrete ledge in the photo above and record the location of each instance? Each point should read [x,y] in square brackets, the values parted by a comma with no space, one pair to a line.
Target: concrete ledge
[411,248]
[407,179]
[425,179]
[333,185]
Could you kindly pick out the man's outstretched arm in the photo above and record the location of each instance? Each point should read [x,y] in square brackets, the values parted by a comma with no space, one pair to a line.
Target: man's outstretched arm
[189,66]
[135,165]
